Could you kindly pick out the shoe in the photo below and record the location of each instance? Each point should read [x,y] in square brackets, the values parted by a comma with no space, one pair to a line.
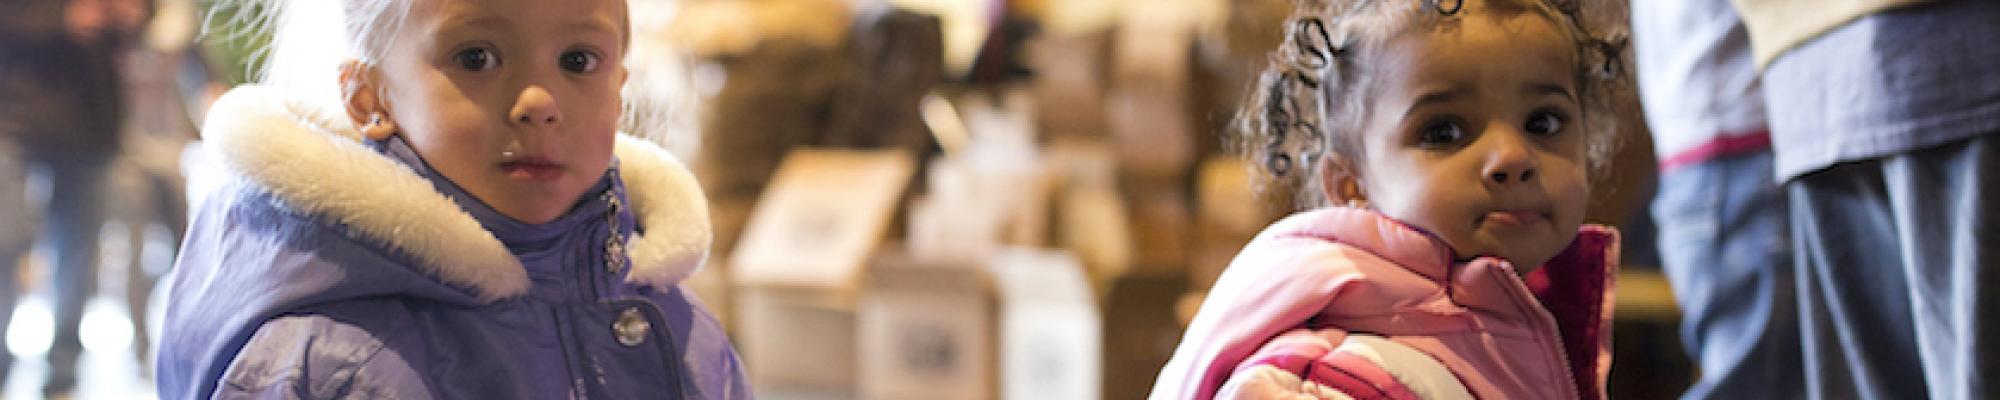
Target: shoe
[59,387]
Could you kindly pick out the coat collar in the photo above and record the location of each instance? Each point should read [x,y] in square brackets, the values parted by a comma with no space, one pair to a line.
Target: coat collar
[1580,270]
[1574,287]
[318,167]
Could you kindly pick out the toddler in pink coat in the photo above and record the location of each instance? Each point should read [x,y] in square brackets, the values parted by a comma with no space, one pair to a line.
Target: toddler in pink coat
[1457,139]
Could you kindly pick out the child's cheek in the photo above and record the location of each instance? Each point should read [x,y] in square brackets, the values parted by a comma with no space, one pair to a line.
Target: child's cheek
[1571,195]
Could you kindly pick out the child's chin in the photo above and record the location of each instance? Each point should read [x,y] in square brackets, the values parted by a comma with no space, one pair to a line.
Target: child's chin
[1517,247]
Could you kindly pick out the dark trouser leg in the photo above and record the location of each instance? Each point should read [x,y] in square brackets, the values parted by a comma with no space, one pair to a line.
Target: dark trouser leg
[76,216]
[1855,326]
[1944,198]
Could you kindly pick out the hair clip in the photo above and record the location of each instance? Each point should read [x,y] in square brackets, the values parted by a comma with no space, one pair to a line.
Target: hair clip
[1304,78]
[1276,116]
[1613,52]
[1313,43]
[1312,132]
[1280,164]
[1455,6]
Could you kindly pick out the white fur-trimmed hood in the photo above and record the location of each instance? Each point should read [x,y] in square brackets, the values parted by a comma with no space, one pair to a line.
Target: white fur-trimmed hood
[261,135]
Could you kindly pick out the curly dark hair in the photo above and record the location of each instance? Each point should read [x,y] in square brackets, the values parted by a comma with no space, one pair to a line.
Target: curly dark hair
[1308,100]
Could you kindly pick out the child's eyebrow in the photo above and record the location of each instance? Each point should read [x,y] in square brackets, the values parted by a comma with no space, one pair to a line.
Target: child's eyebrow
[596,25]
[1432,96]
[1546,89]
[483,22]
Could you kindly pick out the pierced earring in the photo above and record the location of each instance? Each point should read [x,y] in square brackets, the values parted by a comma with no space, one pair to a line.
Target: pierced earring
[506,154]
[1357,203]
[374,120]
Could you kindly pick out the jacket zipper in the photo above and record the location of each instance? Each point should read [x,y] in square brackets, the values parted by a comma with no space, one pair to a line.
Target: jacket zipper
[1546,322]
[614,249]
[614,241]
[595,287]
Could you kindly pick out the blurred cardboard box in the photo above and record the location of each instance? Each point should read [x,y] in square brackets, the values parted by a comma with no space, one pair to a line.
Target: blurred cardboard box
[1148,106]
[1163,230]
[799,264]
[988,190]
[925,331]
[1071,73]
[1090,216]
[774,98]
[1050,327]
[1019,324]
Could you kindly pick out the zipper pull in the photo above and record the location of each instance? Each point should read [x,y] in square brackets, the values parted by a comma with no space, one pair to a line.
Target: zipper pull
[614,244]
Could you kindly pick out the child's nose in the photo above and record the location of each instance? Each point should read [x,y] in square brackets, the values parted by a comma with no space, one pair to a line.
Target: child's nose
[535,107]
[1509,160]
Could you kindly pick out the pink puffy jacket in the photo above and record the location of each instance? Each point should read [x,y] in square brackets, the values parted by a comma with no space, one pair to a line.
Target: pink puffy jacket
[1301,303]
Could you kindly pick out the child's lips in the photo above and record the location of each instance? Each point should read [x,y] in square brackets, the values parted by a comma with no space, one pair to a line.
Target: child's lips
[1517,218]
[532,169]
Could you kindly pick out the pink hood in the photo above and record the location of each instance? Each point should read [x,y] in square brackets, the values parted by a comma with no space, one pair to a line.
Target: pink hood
[1340,270]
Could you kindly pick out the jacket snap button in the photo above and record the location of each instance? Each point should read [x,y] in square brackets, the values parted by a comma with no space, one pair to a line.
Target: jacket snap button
[631,327]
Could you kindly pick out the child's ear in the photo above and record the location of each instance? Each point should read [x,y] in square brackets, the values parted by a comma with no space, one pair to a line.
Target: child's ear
[1340,181]
[363,101]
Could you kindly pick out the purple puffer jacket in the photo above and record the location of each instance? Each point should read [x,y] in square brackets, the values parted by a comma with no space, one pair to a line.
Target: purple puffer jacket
[325,267]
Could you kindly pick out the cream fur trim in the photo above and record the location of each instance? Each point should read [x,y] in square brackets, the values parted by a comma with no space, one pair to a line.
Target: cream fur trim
[319,169]
[671,209]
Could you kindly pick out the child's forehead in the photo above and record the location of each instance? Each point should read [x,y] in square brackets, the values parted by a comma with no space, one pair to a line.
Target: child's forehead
[567,15]
[1483,42]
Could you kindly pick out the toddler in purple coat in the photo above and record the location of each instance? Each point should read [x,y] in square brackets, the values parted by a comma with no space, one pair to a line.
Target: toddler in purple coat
[457,218]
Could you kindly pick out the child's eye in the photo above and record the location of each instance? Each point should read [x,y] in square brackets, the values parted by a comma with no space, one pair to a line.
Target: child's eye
[1544,123]
[1440,133]
[579,61]
[476,59]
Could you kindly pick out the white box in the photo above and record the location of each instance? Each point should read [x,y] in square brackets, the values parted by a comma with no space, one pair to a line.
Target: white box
[1050,339]
[1020,324]
[925,331]
[797,267]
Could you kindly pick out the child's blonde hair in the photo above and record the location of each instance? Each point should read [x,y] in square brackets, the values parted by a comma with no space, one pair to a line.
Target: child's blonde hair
[1312,96]
[309,39]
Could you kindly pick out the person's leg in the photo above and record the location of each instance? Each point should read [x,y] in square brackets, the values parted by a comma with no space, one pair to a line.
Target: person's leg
[129,216]
[1855,330]
[17,228]
[164,190]
[75,218]
[1944,196]
[1725,245]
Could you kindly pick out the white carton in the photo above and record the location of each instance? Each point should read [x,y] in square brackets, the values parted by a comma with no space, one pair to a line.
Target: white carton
[798,265]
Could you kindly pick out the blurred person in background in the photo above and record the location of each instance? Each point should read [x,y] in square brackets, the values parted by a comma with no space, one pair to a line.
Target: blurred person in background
[165,83]
[1723,237]
[1885,126]
[60,114]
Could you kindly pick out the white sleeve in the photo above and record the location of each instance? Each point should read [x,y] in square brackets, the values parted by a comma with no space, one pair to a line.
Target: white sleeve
[1418,373]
